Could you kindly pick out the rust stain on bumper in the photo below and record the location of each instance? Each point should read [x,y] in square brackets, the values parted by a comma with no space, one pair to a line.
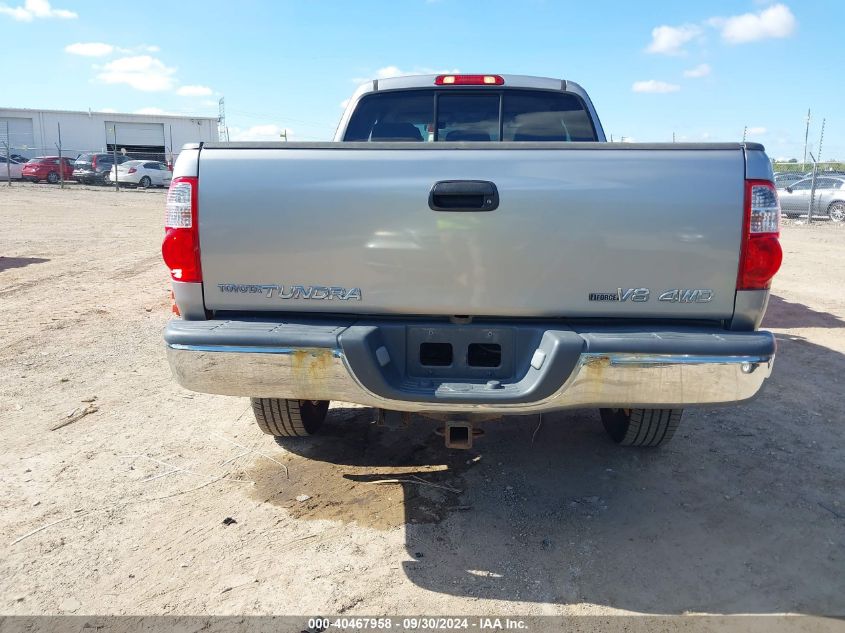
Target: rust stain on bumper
[312,366]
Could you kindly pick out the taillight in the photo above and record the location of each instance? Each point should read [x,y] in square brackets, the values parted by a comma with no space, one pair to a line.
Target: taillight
[469,80]
[132,170]
[760,254]
[181,246]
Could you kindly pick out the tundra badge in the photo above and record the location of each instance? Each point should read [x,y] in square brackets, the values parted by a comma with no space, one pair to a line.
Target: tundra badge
[318,293]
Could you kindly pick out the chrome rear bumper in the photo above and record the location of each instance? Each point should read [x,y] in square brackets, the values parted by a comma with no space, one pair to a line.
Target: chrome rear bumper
[597,380]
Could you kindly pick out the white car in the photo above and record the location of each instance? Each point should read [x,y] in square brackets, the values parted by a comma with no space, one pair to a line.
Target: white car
[13,167]
[143,173]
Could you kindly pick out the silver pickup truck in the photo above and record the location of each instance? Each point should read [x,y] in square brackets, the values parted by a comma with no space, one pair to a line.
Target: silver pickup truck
[472,246]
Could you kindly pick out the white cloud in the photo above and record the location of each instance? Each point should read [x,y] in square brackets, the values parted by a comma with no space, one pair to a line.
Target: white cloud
[775,22]
[389,71]
[755,131]
[106,110]
[134,50]
[702,70]
[101,49]
[141,72]
[654,86]
[193,91]
[90,49]
[32,9]
[394,71]
[669,40]
[152,111]
[266,132]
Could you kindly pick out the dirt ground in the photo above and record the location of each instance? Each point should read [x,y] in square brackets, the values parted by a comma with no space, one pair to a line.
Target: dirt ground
[744,512]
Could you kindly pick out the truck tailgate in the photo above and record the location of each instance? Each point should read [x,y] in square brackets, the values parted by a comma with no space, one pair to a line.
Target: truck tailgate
[575,230]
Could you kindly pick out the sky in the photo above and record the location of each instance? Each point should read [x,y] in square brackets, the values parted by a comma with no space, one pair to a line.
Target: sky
[703,71]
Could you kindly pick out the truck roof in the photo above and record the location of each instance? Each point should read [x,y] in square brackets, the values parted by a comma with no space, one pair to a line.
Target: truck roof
[511,81]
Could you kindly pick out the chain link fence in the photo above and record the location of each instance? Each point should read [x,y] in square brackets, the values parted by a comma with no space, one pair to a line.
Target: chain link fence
[17,146]
[129,152]
[14,156]
[811,191]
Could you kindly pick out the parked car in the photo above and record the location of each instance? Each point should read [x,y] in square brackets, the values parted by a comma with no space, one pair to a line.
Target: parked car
[94,168]
[785,178]
[47,168]
[142,173]
[13,166]
[480,275]
[829,198]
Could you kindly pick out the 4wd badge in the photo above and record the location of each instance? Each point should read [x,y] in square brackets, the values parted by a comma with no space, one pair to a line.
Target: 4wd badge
[687,295]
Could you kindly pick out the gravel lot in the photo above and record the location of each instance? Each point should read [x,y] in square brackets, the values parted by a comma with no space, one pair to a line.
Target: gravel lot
[744,512]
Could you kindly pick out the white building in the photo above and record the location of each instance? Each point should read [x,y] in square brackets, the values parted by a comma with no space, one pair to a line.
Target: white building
[36,132]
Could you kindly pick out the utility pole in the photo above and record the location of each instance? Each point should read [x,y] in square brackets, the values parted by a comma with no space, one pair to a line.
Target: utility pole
[821,138]
[744,133]
[284,134]
[114,154]
[673,137]
[8,145]
[61,163]
[812,190]
[806,136]
[222,129]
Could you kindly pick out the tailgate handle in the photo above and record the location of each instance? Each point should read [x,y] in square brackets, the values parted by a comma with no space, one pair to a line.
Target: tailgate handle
[463,195]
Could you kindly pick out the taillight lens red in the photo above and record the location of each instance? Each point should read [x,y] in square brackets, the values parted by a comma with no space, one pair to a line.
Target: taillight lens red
[469,80]
[761,254]
[181,246]
[132,170]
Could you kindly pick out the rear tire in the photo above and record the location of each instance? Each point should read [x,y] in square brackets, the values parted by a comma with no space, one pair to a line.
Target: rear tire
[289,418]
[52,178]
[145,182]
[836,212]
[641,427]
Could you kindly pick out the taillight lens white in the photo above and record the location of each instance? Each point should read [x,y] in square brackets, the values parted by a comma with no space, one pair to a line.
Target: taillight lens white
[177,213]
[761,254]
[181,246]
[765,208]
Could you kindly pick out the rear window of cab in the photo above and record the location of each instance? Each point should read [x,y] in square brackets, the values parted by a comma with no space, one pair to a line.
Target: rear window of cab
[471,115]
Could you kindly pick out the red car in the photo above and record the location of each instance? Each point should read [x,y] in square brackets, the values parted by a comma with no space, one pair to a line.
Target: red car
[47,168]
